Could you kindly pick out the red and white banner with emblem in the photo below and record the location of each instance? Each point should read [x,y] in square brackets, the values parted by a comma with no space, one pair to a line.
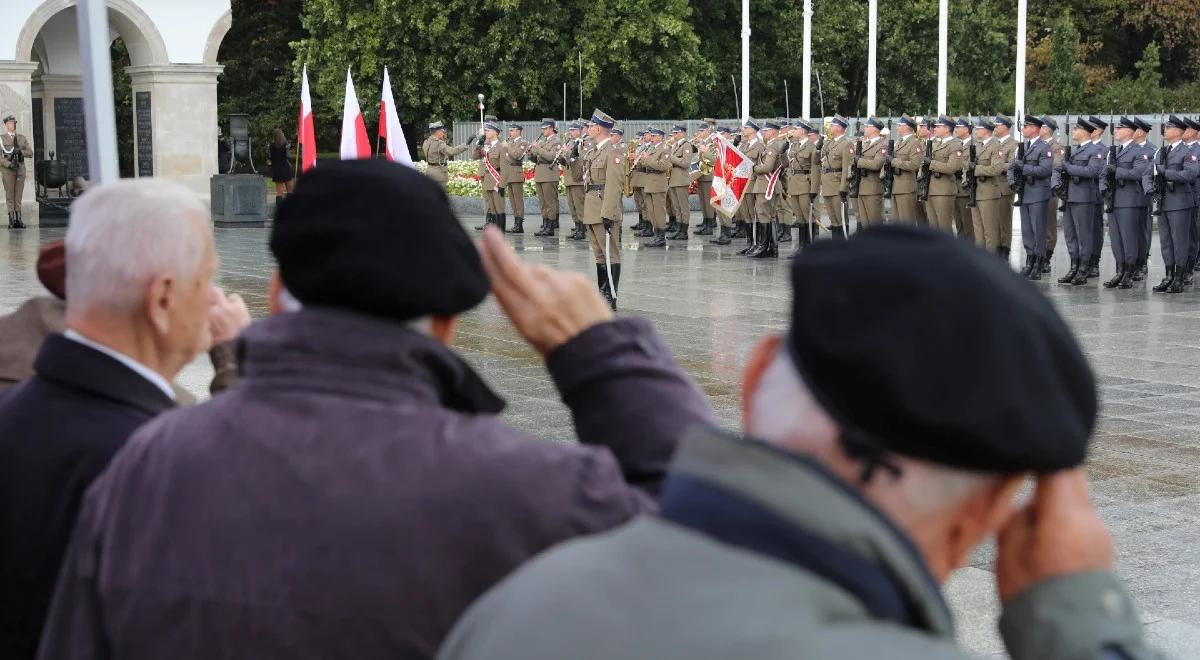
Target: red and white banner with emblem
[731,175]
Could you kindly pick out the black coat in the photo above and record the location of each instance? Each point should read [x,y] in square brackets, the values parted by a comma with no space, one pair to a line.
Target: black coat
[58,431]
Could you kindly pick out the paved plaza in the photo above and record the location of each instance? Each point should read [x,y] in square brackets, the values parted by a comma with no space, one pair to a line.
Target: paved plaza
[712,305]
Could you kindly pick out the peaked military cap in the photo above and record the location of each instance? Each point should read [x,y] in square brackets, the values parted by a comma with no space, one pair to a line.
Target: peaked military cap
[549,123]
[908,121]
[710,121]
[939,399]
[771,123]
[436,126]
[1001,119]
[655,131]
[601,118]
[640,134]
[679,128]
[1192,123]
[1097,122]
[871,121]
[982,122]
[840,121]
[1126,122]
[1049,121]
[491,127]
[1033,120]
[800,123]
[618,131]
[1083,123]
[1177,122]
[962,121]
[1143,125]
[724,129]
[943,120]
[750,123]
[515,127]
[930,122]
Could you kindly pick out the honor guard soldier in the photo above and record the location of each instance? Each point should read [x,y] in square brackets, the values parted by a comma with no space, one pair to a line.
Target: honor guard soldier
[766,167]
[1128,169]
[870,187]
[545,151]
[14,151]
[1007,147]
[945,169]
[602,206]
[836,157]
[516,148]
[1049,129]
[1034,170]
[964,222]
[438,153]
[680,157]
[990,168]
[1082,171]
[1139,138]
[1175,224]
[491,177]
[905,161]
[752,147]
[726,235]
[803,164]
[783,230]
[656,170]
[637,184]
[705,157]
[924,134]
[1097,139]
[1189,138]
[572,168]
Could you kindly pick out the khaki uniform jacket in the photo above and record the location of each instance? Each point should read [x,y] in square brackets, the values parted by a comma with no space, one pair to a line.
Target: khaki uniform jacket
[514,157]
[946,167]
[906,160]
[836,157]
[494,153]
[989,170]
[708,158]
[572,168]
[22,142]
[803,168]
[965,146]
[438,152]
[545,152]
[657,168]
[637,178]
[871,163]
[766,163]
[655,588]
[1008,149]
[680,157]
[606,167]
[754,150]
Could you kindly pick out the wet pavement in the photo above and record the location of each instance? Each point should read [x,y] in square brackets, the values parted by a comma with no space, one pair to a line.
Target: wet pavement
[711,305]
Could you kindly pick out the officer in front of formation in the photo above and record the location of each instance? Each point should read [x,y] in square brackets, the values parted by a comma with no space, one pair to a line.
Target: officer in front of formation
[1129,203]
[545,150]
[905,161]
[870,186]
[1034,168]
[803,165]
[438,153]
[490,152]
[1080,173]
[605,167]
[14,151]
[836,157]
[1175,224]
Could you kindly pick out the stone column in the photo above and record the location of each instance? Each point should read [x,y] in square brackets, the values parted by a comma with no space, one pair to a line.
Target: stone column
[183,109]
[16,97]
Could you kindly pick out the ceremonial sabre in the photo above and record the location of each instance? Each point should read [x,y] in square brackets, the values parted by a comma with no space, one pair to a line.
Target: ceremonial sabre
[608,263]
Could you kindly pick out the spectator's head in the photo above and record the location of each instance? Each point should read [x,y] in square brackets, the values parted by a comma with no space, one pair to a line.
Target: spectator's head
[52,268]
[139,266]
[279,140]
[926,375]
[377,238]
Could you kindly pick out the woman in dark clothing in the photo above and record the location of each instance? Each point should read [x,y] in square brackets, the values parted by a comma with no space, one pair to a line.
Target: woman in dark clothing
[281,166]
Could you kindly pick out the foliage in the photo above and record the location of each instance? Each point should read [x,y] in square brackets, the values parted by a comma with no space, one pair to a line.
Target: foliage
[123,106]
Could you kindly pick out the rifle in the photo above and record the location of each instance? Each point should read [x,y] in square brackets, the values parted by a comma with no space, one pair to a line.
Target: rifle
[15,157]
[1110,180]
[889,175]
[1160,180]
[1018,182]
[970,181]
[855,173]
[1063,189]
[926,172]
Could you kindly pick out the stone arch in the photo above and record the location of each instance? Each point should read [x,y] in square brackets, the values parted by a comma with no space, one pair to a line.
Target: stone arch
[146,45]
[217,35]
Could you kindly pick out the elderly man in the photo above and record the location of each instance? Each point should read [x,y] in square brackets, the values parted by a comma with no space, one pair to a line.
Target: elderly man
[357,490]
[828,535]
[139,263]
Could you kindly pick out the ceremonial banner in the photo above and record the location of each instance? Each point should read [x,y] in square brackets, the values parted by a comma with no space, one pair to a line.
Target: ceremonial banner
[389,125]
[731,173]
[355,143]
[306,133]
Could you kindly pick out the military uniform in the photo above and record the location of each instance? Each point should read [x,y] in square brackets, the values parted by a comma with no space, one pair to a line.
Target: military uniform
[637,183]
[492,180]
[680,156]
[870,186]
[1175,224]
[706,155]
[836,158]
[990,167]
[515,151]
[803,166]
[945,167]
[605,178]
[1084,167]
[656,169]
[1052,206]
[767,163]
[438,153]
[1007,148]
[545,151]
[1129,208]
[964,222]
[572,168]
[1035,166]
[13,145]
[907,157]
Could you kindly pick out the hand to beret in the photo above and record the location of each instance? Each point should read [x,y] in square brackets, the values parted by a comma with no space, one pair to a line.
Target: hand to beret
[547,307]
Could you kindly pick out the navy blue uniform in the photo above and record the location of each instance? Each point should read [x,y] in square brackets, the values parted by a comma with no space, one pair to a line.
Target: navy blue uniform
[1129,204]
[1085,168]
[1036,167]
[1175,225]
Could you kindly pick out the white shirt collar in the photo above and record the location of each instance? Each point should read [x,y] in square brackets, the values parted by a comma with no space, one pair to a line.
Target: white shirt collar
[135,366]
[1004,139]
[905,137]
[873,140]
[1126,143]
[606,141]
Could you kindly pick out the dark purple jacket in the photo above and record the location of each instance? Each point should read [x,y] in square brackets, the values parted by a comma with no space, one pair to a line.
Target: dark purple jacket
[354,494]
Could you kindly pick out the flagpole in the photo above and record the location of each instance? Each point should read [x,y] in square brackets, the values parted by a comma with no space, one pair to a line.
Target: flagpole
[872,49]
[806,94]
[100,116]
[745,60]
[943,49]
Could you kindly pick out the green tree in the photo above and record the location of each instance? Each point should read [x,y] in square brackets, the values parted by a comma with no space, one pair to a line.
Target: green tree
[1065,82]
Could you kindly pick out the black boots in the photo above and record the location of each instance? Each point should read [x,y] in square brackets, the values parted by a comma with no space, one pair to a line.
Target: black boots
[1116,279]
[1070,276]
[1166,282]
[754,237]
[1029,259]
[1081,275]
[488,218]
[1093,268]
[784,235]
[1046,261]
[1139,270]
[768,246]
[1035,269]
[646,231]
[577,234]
[725,237]
[680,233]
[639,224]
[672,225]
[660,239]
[549,228]
[518,225]
[741,229]
[603,283]
[706,227]
[1127,278]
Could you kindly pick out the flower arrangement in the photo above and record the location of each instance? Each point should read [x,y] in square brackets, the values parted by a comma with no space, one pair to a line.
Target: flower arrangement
[466,182]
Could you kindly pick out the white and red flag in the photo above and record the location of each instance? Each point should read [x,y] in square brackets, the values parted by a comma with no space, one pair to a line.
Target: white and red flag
[389,125]
[731,174]
[306,133]
[355,143]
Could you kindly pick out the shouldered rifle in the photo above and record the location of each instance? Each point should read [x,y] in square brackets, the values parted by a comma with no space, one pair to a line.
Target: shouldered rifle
[1160,179]
[1063,188]
[855,172]
[1018,177]
[926,172]
[970,182]
[889,175]
[15,157]
[1110,180]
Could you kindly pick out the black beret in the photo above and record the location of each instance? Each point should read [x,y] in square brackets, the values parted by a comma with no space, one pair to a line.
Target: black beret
[375,237]
[920,345]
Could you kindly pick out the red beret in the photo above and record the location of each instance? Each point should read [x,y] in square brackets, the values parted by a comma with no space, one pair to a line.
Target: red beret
[52,268]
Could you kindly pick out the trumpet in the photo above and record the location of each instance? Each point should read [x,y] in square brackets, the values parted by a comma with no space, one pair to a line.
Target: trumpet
[628,190]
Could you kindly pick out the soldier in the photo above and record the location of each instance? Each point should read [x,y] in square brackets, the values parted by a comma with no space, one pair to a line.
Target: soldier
[545,175]
[1175,224]
[783,230]
[924,134]
[1190,138]
[803,167]
[516,148]
[989,169]
[1129,203]
[1035,169]
[1007,148]
[14,151]
[705,155]
[656,169]
[836,158]
[491,163]
[1099,126]
[752,147]
[637,182]
[1139,138]
[1084,168]
[602,206]
[572,167]
[1049,127]
[766,167]
[945,168]
[964,222]
[438,153]
[680,157]
[870,187]
[905,160]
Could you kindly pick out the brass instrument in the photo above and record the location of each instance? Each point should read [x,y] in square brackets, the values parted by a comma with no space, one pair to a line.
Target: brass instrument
[628,191]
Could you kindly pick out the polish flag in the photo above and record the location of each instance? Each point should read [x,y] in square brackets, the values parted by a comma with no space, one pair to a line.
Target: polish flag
[731,175]
[355,143]
[389,125]
[306,132]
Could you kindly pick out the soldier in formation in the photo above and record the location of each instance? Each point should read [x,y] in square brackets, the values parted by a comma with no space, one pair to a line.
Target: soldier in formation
[544,151]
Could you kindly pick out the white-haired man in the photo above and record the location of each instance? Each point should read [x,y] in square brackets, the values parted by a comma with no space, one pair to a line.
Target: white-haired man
[140,259]
[829,537]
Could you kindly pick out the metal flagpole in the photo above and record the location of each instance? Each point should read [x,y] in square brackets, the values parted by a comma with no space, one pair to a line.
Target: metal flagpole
[745,60]
[872,49]
[100,122]
[787,101]
[943,53]
[580,53]
[806,67]
[737,105]
[1020,77]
